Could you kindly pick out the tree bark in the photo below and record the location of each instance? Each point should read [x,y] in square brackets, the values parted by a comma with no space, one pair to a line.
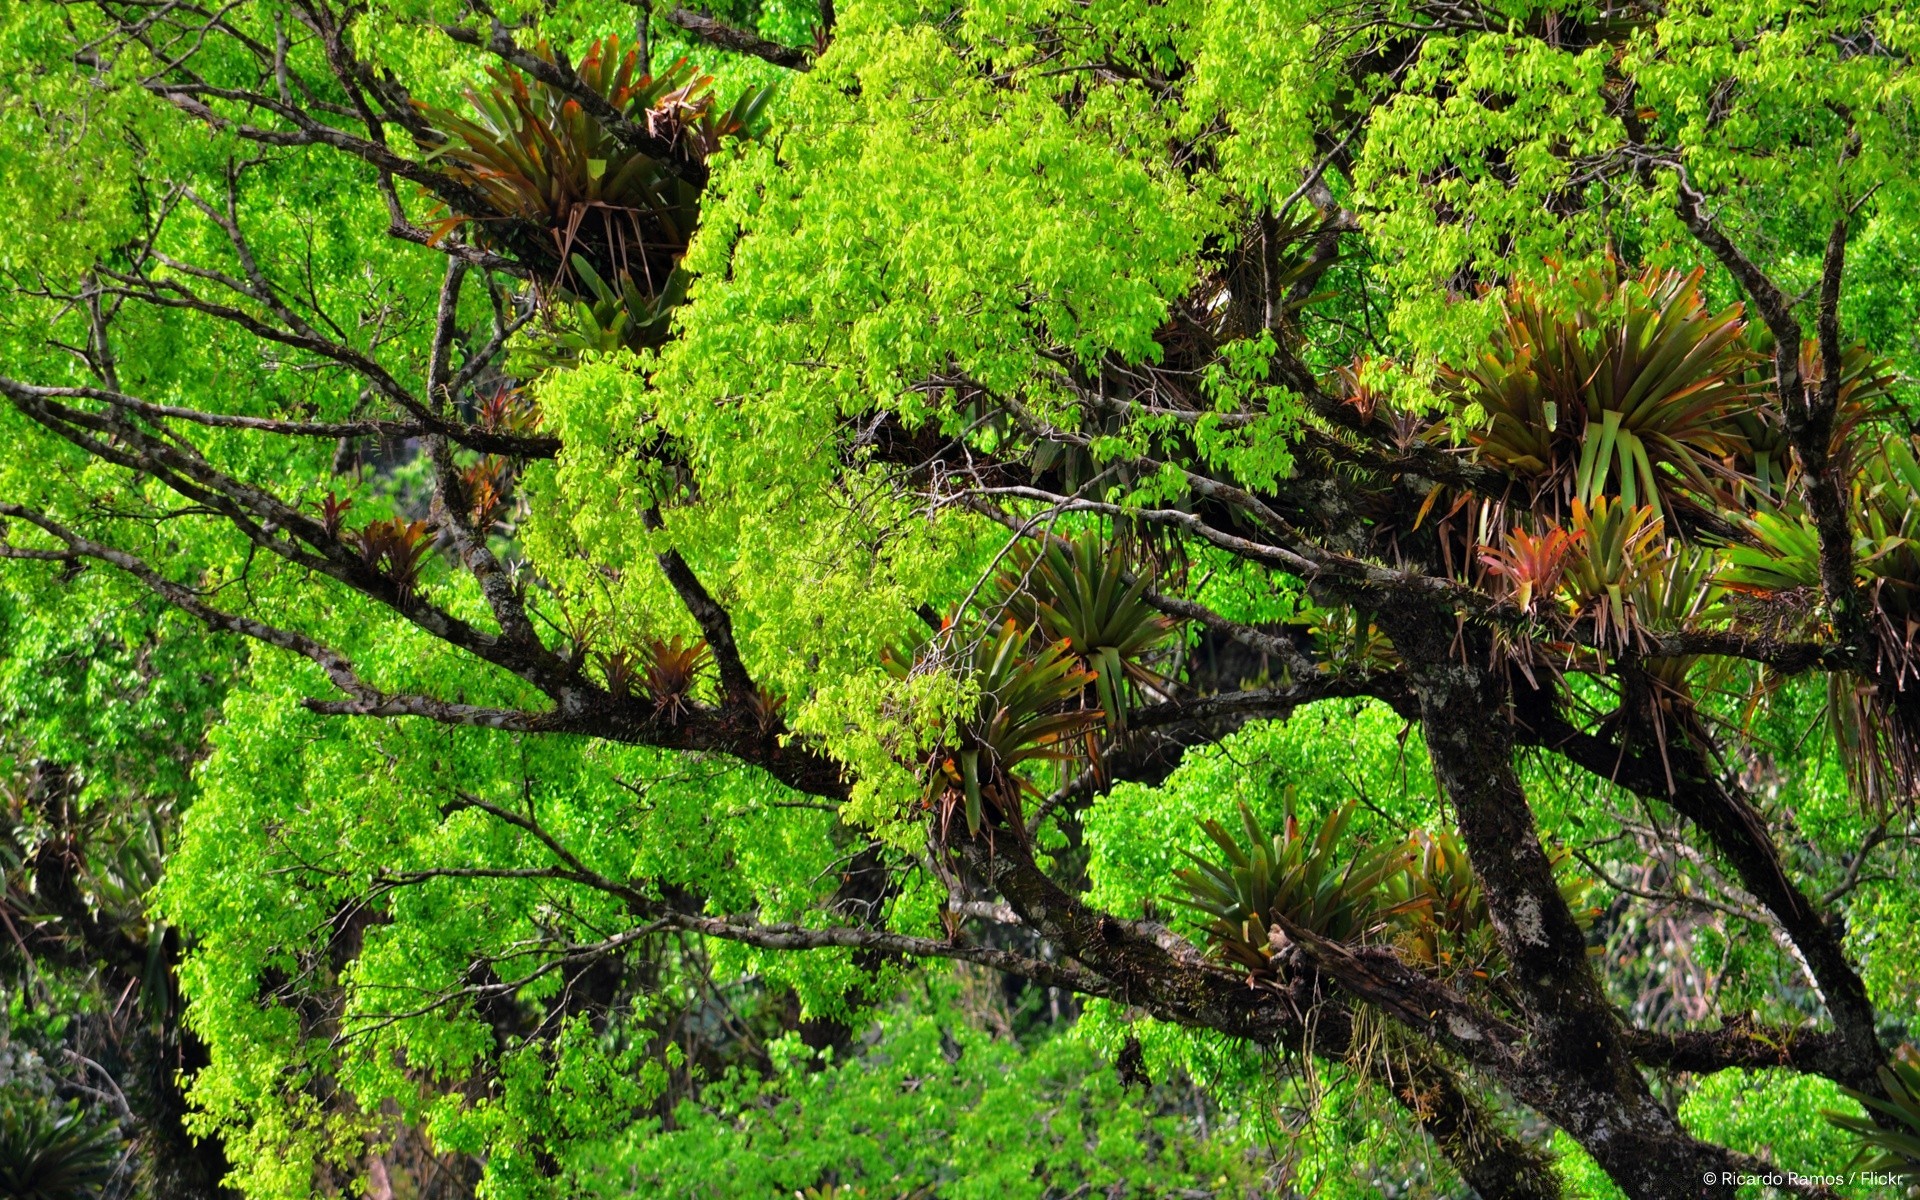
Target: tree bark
[1575,1069]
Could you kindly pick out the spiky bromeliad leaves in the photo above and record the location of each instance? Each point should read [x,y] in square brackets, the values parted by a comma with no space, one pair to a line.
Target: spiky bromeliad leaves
[1441,912]
[604,223]
[1877,729]
[1438,909]
[48,1152]
[1615,545]
[1675,593]
[1303,877]
[333,513]
[507,409]
[488,484]
[1615,568]
[1029,710]
[1346,638]
[1765,462]
[1782,551]
[1080,598]
[664,670]
[1421,895]
[396,549]
[608,316]
[1532,564]
[669,669]
[1631,392]
[1894,1145]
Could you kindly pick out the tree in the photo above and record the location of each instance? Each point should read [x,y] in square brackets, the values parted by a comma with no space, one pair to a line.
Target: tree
[1048,396]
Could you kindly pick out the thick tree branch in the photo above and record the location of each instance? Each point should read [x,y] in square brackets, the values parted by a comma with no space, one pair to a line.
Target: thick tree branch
[1682,778]
[1378,977]
[1577,1071]
[714,621]
[1809,418]
[1494,1162]
[1743,1044]
[1275,701]
[739,41]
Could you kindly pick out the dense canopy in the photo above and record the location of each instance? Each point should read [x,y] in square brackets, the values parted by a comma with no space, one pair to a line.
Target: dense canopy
[959,598]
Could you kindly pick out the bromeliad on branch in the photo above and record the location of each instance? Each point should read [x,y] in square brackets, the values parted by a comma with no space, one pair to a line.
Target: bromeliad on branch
[602,223]
[1080,596]
[1613,387]
[1028,710]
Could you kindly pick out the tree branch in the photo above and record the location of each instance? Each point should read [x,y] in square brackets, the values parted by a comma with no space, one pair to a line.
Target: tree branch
[1740,1043]
[715,624]
[1683,779]
[739,41]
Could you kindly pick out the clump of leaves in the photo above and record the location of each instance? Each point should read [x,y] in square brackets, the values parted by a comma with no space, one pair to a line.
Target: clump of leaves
[1877,733]
[1896,1147]
[1766,458]
[621,670]
[1441,910]
[1422,895]
[1345,638]
[768,708]
[507,409]
[486,484]
[1877,730]
[561,189]
[604,317]
[51,1152]
[1080,598]
[1657,697]
[1029,710]
[1614,545]
[1531,564]
[669,668]
[333,513]
[1301,876]
[396,549]
[1630,391]
[1782,552]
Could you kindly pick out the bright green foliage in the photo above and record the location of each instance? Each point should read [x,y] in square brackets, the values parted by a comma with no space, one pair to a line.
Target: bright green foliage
[282,878]
[933,1110]
[1038,231]
[1767,1112]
